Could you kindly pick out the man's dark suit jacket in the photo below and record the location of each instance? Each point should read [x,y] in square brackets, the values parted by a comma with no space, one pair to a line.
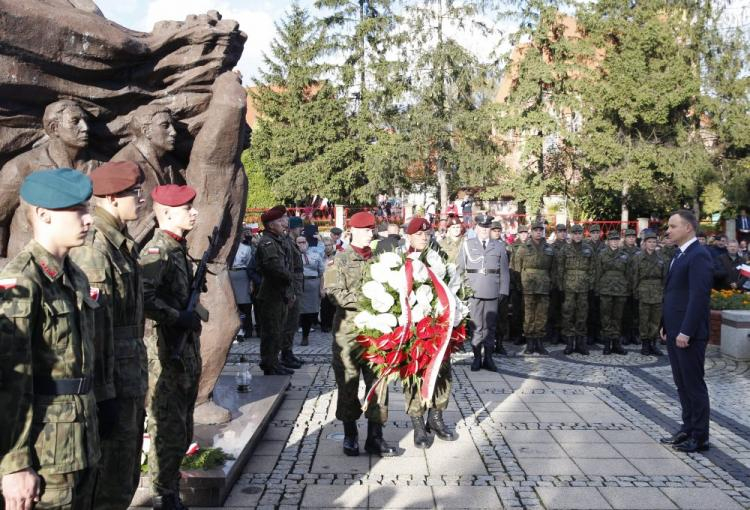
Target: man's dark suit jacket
[687,294]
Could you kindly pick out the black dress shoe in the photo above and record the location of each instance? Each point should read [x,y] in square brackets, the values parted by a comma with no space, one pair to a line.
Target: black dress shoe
[476,364]
[375,444]
[691,446]
[279,370]
[677,438]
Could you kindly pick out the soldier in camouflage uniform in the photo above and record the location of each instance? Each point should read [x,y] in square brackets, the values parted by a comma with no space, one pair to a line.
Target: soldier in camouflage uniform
[451,243]
[575,270]
[276,293]
[110,260]
[535,261]
[515,325]
[556,294]
[49,444]
[173,383]
[630,312]
[649,273]
[343,282]
[288,359]
[594,319]
[613,286]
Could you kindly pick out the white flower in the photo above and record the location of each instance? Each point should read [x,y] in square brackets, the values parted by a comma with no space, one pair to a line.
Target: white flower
[380,272]
[424,295]
[387,320]
[397,280]
[461,311]
[363,319]
[419,312]
[436,264]
[373,289]
[419,271]
[383,302]
[390,260]
[412,298]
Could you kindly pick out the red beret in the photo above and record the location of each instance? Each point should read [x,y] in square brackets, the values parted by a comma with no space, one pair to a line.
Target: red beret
[173,195]
[116,176]
[417,224]
[362,219]
[274,213]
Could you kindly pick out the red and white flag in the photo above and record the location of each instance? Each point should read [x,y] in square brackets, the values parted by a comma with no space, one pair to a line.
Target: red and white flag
[744,270]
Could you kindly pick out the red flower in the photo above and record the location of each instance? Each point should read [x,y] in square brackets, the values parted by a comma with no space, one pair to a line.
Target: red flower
[364,340]
[374,357]
[395,358]
[386,342]
[412,368]
[424,328]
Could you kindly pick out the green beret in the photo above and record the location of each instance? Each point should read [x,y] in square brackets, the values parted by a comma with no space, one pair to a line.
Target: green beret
[59,188]
[577,229]
[613,234]
[629,232]
[649,234]
[595,228]
[523,228]
[295,222]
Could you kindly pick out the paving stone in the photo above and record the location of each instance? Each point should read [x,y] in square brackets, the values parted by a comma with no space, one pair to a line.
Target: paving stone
[591,451]
[701,499]
[572,498]
[671,466]
[543,450]
[346,496]
[533,466]
[637,498]
[606,467]
[643,450]
[577,436]
[260,464]
[626,436]
[391,497]
[466,497]
[340,464]
[528,436]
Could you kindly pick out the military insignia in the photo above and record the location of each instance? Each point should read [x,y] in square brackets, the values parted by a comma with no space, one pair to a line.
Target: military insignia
[624,256]
[47,270]
[153,251]
[94,293]
[7,283]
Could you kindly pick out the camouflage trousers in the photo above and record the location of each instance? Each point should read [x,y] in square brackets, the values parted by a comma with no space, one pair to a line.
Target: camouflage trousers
[630,321]
[416,405]
[594,319]
[272,320]
[501,328]
[291,325]
[610,308]
[67,491]
[575,313]
[554,315]
[347,367]
[649,317]
[172,393]
[535,311]
[120,464]
[516,314]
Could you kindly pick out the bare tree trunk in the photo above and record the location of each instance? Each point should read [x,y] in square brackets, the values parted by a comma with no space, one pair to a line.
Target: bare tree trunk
[624,211]
[697,207]
[442,177]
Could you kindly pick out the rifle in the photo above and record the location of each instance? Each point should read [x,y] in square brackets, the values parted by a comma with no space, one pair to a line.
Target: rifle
[199,282]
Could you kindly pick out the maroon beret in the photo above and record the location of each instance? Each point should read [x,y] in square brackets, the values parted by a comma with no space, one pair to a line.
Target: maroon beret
[173,195]
[417,224]
[362,219]
[115,176]
[274,213]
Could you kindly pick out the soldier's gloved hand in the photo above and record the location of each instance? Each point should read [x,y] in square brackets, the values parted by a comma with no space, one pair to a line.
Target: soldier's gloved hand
[189,320]
[108,415]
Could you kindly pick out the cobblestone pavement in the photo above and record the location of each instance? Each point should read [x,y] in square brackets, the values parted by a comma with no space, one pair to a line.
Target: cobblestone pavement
[543,433]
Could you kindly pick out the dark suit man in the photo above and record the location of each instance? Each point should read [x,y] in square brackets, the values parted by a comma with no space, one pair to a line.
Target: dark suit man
[742,224]
[685,324]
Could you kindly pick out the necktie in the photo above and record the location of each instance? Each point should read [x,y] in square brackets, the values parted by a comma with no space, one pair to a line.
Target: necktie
[307,261]
[677,255]
[484,245]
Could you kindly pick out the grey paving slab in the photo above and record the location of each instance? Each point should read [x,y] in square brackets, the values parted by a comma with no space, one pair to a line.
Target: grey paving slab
[591,450]
[512,417]
[552,467]
[543,450]
[558,417]
[674,467]
[269,448]
[335,496]
[528,436]
[577,436]
[260,464]
[701,499]
[549,407]
[340,464]
[572,498]
[606,467]
[415,466]
[644,450]
[465,463]
[626,436]
[637,498]
[466,497]
[398,497]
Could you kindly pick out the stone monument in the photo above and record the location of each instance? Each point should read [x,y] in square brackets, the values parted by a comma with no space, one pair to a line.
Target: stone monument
[71,80]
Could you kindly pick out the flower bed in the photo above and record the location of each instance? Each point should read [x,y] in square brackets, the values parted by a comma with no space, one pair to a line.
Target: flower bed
[730,300]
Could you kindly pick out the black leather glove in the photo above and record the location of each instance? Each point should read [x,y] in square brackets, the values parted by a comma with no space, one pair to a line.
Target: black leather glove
[189,320]
[108,415]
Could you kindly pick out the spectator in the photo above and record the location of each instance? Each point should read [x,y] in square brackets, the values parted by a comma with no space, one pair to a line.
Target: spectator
[727,274]
[701,236]
[338,243]
[719,246]
[392,241]
[743,250]
[241,285]
[742,224]
[467,207]
[313,267]
[327,308]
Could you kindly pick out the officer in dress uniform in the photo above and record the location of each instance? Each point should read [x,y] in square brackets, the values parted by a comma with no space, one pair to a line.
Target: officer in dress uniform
[484,263]
[501,329]
[49,443]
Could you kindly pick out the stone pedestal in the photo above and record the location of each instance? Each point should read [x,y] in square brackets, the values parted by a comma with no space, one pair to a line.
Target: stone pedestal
[251,413]
[735,334]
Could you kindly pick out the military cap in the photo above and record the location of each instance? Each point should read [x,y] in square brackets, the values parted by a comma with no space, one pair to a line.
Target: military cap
[649,234]
[629,232]
[576,229]
[274,213]
[561,227]
[115,177]
[295,222]
[496,224]
[538,224]
[523,228]
[483,220]
[362,219]
[336,231]
[173,195]
[58,188]
[613,234]
[417,224]
[595,228]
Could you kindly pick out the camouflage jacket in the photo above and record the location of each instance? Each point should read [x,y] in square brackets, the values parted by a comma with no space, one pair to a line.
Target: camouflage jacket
[167,279]
[451,247]
[296,266]
[612,273]
[597,246]
[110,260]
[273,263]
[536,264]
[649,273]
[515,276]
[631,250]
[576,267]
[47,316]
[343,282]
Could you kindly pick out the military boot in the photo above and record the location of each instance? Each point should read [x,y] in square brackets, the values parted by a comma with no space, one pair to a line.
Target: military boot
[351,439]
[288,360]
[624,340]
[499,349]
[436,424]
[607,346]
[305,341]
[654,349]
[617,347]
[422,439]
[569,344]
[582,346]
[488,363]
[530,345]
[375,443]
[519,340]
[539,346]
[477,363]
[168,502]
[645,347]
